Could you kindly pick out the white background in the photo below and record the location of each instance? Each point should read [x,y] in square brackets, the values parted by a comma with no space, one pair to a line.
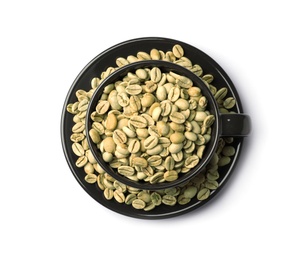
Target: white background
[45,214]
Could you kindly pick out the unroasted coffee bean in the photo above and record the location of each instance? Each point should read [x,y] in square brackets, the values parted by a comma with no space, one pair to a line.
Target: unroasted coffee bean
[119,137]
[126,170]
[94,135]
[191,161]
[150,142]
[178,51]
[177,117]
[78,149]
[171,175]
[138,121]
[134,146]
[102,107]
[119,196]
[78,127]
[91,178]
[81,161]
[138,204]
[111,122]
[203,194]
[155,74]
[169,200]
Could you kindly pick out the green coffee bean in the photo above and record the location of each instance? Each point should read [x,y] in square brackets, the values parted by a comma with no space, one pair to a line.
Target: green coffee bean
[154,160]
[211,184]
[228,151]
[141,74]
[200,151]
[77,137]
[132,59]
[147,100]
[175,147]
[96,117]
[134,146]
[177,138]
[178,51]
[138,204]
[143,55]
[130,198]
[149,206]
[169,200]
[111,122]
[157,177]
[155,198]
[213,176]
[164,141]
[90,156]
[156,113]
[138,121]
[184,82]
[225,160]
[83,105]
[161,93]
[155,150]
[109,145]
[229,103]
[150,142]
[78,127]
[121,62]
[208,121]
[154,54]
[170,175]
[94,135]
[166,107]
[119,186]
[144,196]
[119,137]
[126,170]
[91,178]
[190,136]
[163,128]
[139,162]
[177,127]
[78,149]
[190,192]
[119,196]
[155,74]
[123,99]
[178,157]
[221,94]
[174,94]
[182,200]
[169,163]
[182,104]
[133,89]
[108,193]
[203,194]
[98,127]
[177,117]
[81,161]
[191,161]
[102,107]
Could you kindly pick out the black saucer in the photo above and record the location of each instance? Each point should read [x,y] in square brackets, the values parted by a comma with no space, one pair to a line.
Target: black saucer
[107,59]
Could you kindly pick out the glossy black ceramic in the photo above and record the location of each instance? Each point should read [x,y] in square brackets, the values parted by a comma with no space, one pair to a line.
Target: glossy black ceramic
[107,59]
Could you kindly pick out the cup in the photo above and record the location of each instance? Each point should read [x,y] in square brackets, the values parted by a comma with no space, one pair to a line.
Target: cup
[225,125]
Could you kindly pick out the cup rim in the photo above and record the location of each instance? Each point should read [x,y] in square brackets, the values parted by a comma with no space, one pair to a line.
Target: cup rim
[165,65]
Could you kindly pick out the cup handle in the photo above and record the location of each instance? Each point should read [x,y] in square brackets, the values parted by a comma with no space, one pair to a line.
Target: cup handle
[235,125]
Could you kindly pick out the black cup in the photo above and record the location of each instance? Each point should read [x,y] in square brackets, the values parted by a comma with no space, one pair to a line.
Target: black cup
[233,125]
